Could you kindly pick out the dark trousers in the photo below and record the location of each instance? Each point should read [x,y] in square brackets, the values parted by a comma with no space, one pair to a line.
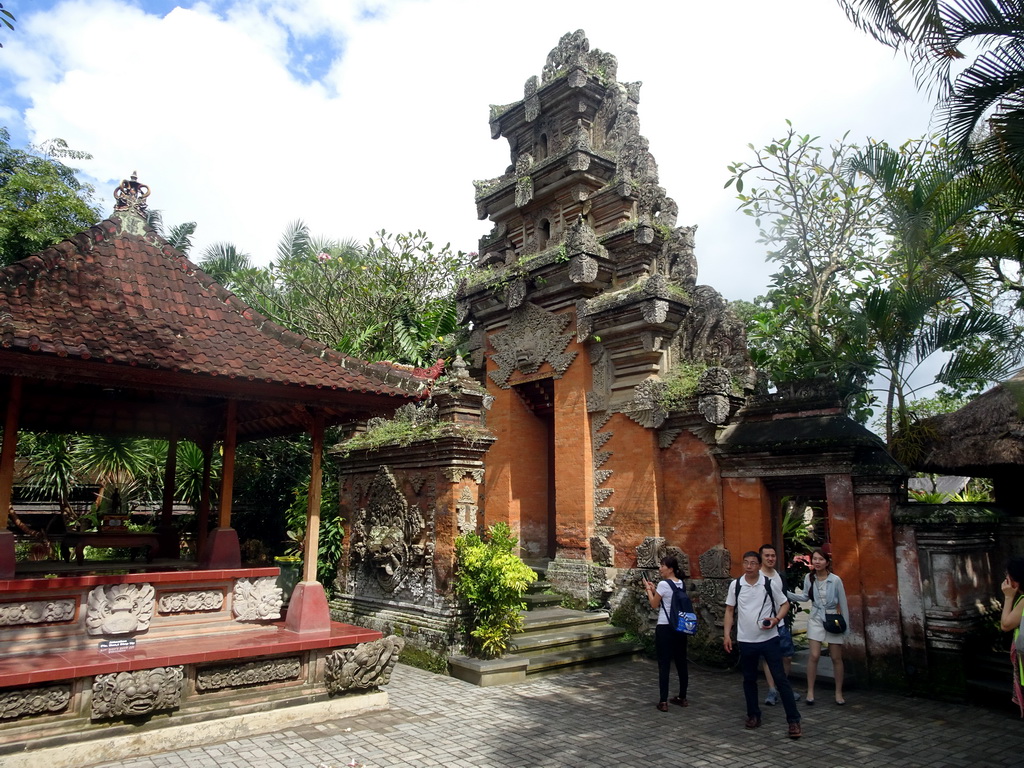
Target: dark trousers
[750,655]
[670,646]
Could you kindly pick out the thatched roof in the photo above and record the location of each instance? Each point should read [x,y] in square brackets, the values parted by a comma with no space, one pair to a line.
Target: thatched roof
[984,437]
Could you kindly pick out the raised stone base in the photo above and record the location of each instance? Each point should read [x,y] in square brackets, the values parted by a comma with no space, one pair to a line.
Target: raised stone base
[162,736]
[581,579]
[485,673]
[435,628]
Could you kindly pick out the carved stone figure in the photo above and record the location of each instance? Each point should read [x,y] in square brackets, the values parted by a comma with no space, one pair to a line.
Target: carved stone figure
[716,563]
[37,612]
[533,337]
[34,701]
[196,601]
[388,534]
[368,665]
[130,694]
[250,673]
[257,599]
[119,609]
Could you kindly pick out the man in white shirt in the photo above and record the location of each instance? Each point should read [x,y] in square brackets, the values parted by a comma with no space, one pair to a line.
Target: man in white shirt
[769,558]
[757,605]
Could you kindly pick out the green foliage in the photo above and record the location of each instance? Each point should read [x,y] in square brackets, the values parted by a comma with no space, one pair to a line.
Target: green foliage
[410,424]
[41,199]
[491,579]
[681,385]
[390,299]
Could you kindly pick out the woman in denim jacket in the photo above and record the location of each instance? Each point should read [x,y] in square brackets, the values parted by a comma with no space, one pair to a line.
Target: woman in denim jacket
[824,590]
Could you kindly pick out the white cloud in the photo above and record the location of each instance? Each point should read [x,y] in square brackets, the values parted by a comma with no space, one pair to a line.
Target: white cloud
[204,106]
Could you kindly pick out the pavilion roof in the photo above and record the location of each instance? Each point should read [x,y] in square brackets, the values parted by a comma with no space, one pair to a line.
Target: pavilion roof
[118,306]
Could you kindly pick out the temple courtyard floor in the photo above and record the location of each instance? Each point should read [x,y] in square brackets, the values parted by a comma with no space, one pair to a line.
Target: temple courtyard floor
[606,716]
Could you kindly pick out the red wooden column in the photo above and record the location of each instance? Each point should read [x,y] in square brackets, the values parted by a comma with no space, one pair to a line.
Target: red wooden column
[222,549]
[308,610]
[7,454]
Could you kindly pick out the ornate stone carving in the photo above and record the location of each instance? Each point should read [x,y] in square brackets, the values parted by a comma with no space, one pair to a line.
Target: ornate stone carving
[668,436]
[714,408]
[648,553]
[130,694]
[524,191]
[602,551]
[249,673]
[467,510]
[34,701]
[257,599]
[454,474]
[388,535]
[119,609]
[646,409]
[368,665]
[573,51]
[711,333]
[195,601]
[37,612]
[531,102]
[582,269]
[677,255]
[515,293]
[716,563]
[533,336]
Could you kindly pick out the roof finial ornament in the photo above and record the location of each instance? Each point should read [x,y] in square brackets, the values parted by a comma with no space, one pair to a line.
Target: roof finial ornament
[131,196]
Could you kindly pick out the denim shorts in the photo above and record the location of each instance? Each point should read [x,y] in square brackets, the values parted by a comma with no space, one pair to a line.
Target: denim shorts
[786,640]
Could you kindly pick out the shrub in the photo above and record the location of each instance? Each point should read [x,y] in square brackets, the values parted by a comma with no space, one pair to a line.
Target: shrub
[491,579]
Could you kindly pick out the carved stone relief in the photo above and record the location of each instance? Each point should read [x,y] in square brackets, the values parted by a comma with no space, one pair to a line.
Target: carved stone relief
[119,609]
[467,510]
[716,563]
[34,701]
[388,535]
[130,694]
[195,601]
[646,409]
[454,474]
[257,599]
[533,336]
[712,333]
[573,51]
[368,665]
[249,673]
[37,612]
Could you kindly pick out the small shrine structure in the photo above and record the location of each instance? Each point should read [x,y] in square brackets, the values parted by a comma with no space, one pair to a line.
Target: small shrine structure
[115,332]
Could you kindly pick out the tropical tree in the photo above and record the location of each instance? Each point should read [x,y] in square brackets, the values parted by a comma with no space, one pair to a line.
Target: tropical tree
[179,236]
[6,19]
[42,200]
[936,298]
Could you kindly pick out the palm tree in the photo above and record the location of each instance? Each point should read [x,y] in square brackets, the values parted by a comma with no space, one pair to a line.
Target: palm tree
[988,93]
[224,262]
[937,298]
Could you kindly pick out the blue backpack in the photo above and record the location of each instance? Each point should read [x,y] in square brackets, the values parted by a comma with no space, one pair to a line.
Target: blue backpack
[680,610]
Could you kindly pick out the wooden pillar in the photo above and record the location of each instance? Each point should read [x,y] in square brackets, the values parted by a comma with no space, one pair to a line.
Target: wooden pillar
[222,550]
[308,610]
[7,454]
[311,544]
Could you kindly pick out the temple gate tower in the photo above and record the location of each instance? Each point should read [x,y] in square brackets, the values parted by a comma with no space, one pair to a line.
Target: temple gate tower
[584,304]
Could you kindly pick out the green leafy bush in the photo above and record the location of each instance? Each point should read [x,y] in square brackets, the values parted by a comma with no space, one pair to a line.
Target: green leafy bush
[491,579]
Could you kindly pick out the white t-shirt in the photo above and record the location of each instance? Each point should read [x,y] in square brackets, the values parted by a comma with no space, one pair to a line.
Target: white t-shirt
[754,606]
[666,599]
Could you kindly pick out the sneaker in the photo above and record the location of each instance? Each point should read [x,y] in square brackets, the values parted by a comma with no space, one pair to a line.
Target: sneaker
[772,698]
[796,696]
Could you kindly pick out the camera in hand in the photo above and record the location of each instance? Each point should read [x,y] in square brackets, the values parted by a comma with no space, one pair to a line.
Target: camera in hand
[766,622]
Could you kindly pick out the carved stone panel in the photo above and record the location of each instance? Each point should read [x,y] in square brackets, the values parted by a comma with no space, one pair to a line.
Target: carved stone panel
[130,694]
[388,534]
[533,337]
[257,599]
[196,601]
[368,665]
[119,609]
[34,701]
[467,510]
[716,563]
[250,673]
[37,612]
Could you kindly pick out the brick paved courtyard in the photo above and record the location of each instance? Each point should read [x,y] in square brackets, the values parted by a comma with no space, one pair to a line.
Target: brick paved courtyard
[606,717]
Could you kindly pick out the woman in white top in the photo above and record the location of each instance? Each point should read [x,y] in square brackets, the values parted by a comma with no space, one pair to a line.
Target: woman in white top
[669,644]
[826,594]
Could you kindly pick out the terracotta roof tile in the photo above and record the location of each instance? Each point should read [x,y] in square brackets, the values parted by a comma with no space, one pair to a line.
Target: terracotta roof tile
[131,299]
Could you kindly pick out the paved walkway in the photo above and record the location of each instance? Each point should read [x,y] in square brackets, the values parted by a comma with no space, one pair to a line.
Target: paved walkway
[606,717]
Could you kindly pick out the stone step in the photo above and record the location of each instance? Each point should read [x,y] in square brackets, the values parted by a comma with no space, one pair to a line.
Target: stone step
[561,660]
[566,638]
[555,616]
[540,600]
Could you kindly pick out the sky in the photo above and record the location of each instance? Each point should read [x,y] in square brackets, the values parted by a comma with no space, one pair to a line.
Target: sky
[245,115]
